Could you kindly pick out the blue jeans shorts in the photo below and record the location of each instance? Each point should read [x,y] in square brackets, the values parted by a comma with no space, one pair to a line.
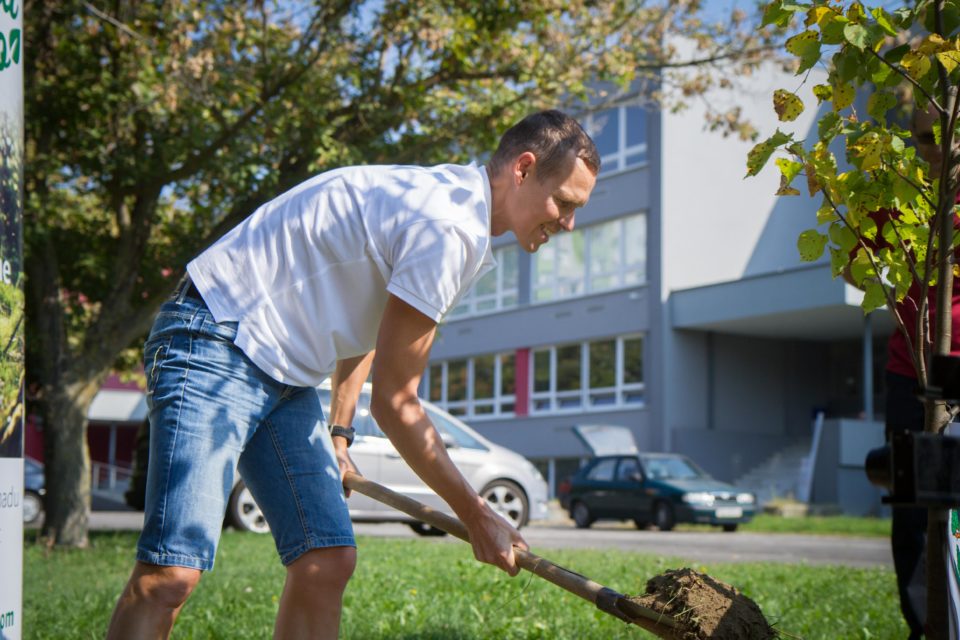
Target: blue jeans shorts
[213,412]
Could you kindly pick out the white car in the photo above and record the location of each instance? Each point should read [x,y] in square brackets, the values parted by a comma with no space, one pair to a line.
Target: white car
[509,483]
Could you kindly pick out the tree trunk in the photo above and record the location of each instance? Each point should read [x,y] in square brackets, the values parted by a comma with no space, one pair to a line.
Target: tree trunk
[67,462]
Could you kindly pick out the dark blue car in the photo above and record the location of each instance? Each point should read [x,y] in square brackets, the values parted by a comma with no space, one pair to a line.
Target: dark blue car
[654,488]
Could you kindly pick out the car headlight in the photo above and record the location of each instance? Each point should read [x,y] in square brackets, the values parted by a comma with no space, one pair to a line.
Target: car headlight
[745,498]
[699,497]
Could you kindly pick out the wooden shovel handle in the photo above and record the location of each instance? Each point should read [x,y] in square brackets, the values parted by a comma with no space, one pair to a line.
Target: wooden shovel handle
[573,582]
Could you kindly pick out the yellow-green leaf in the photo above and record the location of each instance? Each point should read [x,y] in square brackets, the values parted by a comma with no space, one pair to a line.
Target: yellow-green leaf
[810,244]
[823,92]
[787,105]
[761,152]
[949,60]
[915,64]
[806,46]
[873,297]
[879,103]
[789,168]
[843,95]
[819,15]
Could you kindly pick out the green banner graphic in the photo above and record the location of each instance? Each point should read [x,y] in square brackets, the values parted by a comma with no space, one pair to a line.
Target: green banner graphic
[11,250]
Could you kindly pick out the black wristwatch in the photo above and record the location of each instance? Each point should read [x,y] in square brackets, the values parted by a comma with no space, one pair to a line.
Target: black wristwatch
[343,432]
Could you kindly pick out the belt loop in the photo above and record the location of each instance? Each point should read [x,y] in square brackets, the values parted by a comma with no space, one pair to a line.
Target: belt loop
[182,288]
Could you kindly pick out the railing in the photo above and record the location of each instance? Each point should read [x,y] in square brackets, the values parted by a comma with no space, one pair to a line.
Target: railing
[109,477]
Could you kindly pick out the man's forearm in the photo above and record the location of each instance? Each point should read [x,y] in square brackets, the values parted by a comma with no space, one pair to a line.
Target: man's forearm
[345,386]
[418,442]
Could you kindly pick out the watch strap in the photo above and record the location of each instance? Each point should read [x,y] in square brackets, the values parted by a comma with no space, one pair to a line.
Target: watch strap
[344,432]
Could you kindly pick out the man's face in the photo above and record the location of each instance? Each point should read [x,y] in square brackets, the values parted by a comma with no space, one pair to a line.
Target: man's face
[544,208]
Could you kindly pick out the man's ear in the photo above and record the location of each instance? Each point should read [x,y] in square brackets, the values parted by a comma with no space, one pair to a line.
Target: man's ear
[524,165]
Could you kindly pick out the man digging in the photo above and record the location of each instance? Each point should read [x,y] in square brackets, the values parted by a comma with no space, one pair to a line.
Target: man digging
[352,262]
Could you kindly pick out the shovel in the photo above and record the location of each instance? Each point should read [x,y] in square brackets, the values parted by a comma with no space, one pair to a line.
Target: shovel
[605,599]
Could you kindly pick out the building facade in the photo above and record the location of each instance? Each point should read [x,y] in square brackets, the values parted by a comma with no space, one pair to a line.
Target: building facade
[678,307]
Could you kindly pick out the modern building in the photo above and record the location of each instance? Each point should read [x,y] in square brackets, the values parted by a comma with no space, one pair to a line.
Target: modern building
[678,307]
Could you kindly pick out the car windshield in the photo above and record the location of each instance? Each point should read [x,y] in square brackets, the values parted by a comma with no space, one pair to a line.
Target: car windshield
[671,468]
[365,425]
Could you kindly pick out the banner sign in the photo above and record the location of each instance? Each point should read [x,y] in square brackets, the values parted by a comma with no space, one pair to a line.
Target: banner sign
[11,319]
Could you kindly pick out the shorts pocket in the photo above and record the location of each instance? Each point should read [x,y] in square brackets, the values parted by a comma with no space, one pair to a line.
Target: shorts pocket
[154,352]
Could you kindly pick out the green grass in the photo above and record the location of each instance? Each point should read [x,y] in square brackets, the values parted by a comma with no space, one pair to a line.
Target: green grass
[818,525]
[418,590]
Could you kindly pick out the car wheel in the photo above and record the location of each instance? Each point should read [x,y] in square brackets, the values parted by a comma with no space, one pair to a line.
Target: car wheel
[424,529]
[32,507]
[640,524]
[507,499]
[581,515]
[730,527]
[663,516]
[243,512]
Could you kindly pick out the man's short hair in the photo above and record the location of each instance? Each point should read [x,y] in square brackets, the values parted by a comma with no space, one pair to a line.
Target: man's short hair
[550,136]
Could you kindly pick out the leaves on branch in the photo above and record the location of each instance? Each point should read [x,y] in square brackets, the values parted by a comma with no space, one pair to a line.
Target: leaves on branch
[788,105]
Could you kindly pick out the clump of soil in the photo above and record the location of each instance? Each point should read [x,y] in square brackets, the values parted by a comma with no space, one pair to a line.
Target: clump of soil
[704,608]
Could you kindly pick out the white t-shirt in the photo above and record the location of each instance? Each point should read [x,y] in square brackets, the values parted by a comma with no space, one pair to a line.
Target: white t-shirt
[308,274]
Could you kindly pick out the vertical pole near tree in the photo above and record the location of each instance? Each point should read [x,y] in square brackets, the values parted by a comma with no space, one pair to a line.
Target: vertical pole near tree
[11,319]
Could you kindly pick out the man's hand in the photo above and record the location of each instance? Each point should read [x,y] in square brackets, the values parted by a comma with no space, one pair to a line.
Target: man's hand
[344,461]
[493,539]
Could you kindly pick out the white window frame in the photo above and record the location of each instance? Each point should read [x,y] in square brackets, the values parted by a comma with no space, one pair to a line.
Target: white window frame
[467,408]
[587,277]
[468,306]
[551,398]
[617,161]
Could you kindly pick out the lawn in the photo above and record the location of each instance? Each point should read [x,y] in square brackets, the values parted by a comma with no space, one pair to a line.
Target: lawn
[816,525]
[419,589]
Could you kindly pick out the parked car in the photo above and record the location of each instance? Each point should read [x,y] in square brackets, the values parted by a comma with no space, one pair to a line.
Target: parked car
[658,488]
[509,483]
[33,490]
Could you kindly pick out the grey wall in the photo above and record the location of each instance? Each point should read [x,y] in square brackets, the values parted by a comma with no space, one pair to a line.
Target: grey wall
[727,456]
[594,316]
[767,386]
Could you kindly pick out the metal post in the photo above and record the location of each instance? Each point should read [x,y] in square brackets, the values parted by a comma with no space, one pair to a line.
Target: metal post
[552,477]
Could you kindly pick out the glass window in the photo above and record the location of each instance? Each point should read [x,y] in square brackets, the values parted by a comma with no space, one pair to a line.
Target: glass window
[436,383]
[568,368]
[602,471]
[636,126]
[480,386]
[597,258]
[497,289]
[613,375]
[483,373]
[671,468]
[632,360]
[449,427]
[605,131]
[507,374]
[620,134]
[603,364]
[456,380]
[628,469]
[541,370]
[635,249]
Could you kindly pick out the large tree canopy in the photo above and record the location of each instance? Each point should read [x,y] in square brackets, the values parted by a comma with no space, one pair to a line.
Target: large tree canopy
[154,126]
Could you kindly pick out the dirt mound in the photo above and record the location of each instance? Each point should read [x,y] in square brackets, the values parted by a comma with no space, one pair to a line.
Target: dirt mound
[703,607]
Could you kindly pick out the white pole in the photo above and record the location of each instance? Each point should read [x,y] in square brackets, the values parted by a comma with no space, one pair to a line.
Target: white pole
[11,283]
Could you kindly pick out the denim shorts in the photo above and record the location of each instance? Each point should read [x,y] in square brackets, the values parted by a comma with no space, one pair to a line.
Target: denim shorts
[213,412]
